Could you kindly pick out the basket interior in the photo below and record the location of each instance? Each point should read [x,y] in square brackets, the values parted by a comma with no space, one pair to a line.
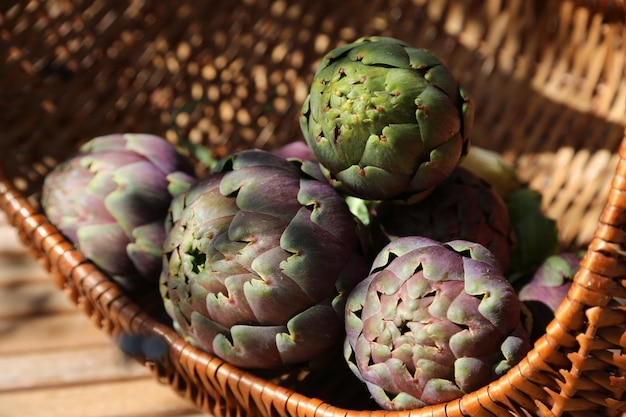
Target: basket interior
[547,78]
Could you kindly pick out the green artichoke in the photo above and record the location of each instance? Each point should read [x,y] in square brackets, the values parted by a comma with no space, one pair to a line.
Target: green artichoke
[386,120]
[259,258]
[432,322]
[461,207]
[111,200]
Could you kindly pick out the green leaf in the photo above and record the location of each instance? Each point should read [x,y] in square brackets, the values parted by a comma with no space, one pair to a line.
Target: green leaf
[201,152]
[536,235]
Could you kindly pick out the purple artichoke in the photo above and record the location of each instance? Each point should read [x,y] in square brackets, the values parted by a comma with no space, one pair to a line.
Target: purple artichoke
[461,207]
[297,149]
[432,322]
[547,288]
[258,260]
[111,200]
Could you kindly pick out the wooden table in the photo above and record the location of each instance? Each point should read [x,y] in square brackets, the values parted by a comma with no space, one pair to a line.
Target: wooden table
[53,360]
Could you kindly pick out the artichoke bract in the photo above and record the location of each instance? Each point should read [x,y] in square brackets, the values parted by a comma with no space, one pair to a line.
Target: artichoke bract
[432,322]
[111,199]
[461,207]
[259,258]
[386,120]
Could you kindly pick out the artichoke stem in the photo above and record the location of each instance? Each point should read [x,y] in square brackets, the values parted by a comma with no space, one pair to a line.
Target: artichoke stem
[492,168]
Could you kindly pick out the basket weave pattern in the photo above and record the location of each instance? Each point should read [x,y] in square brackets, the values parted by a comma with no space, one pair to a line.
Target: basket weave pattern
[549,80]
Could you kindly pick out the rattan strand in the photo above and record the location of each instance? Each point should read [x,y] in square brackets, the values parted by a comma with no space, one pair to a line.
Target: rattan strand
[549,80]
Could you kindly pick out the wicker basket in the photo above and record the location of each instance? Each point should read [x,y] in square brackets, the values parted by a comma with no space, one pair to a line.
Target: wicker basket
[549,79]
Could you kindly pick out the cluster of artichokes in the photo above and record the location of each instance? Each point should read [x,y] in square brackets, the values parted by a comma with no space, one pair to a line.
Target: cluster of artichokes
[266,263]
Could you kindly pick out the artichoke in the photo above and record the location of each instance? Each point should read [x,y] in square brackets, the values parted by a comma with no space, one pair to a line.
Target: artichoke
[259,258]
[386,120]
[297,149]
[432,322]
[461,207]
[547,288]
[111,199]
